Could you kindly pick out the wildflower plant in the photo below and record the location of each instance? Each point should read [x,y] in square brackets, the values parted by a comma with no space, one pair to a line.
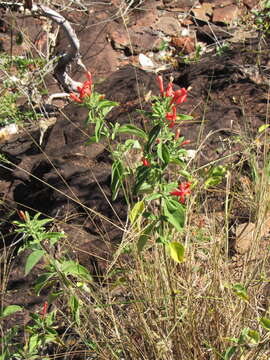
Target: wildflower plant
[97,105]
[162,198]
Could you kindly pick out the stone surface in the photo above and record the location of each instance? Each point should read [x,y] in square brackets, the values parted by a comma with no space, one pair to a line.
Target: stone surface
[168,25]
[250,3]
[245,236]
[248,233]
[135,43]
[226,15]
[220,3]
[185,44]
[210,33]
[203,12]
[180,4]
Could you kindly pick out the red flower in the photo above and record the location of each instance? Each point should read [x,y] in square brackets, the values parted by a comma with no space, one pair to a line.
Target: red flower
[85,90]
[177,134]
[160,84]
[75,98]
[169,90]
[145,162]
[22,215]
[172,117]
[44,310]
[179,97]
[186,142]
[184,190]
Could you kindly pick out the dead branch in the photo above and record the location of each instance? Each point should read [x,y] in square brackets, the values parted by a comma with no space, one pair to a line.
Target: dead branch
[65,59]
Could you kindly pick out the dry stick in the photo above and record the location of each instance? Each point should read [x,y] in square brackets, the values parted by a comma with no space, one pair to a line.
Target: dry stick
[60,72]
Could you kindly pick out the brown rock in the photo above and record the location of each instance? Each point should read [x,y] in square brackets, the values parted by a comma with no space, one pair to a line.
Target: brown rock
[209,33]
[226,15]
[203,12]
[185,44]
[250,3]
[223,3]
[144,18]
[183,4]
[246,234]
[119,39]
[168,25]
[144,41]
[186,22]
[244,237]
[138,41]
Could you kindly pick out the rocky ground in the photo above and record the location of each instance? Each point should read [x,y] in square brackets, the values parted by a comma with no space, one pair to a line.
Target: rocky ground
[228,99]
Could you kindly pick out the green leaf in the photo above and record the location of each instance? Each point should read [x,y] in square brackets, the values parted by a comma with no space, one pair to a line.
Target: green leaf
[185,173]
[254,336]
[229,353]
[54,237]
[175,213]
[263,127]
[177,251]
[106,106]
[219,170]
[117,178]
[170,187]
[215,176]
[142,176]
[133,130]
[137,211]
[267,4]
[241,292]
[34,343]
[44,280]
[184,117]
[98,128]
[212,181]
[73,268]
[32,260]
[152,197]
[132,144]
[10,310]
[265,323]
[163,153]
[153,134]
[144,237]
[75,308]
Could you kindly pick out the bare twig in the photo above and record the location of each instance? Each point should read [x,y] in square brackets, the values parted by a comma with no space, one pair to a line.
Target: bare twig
[73,54]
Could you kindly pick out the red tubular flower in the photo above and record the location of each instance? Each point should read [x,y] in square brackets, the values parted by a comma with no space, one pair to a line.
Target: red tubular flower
[44,310]
[145,162]
[169,90]
[179,97]
[177,134]
[172,117]
[184,190]
[186,142]
[85,90]
[22,215]
[75,97]
[160,84]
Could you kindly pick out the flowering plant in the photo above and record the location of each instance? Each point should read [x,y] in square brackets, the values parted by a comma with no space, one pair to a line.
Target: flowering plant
[98,107]
[162,161]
